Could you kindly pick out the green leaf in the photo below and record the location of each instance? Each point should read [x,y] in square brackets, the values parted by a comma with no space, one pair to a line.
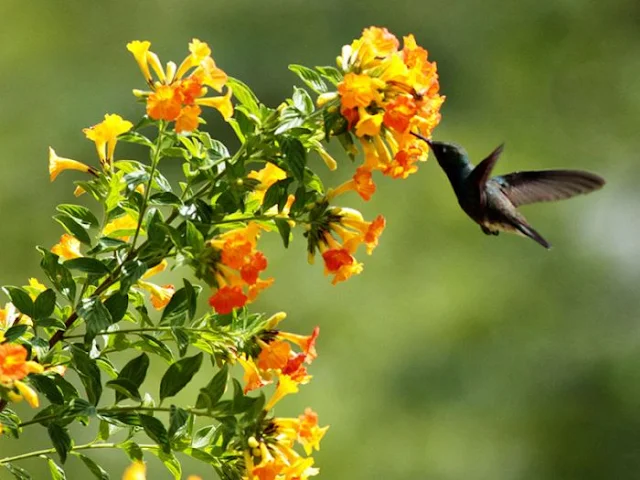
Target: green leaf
[192,297]
[331,73]
[170,462]
[156,431]
[284,229]
[51,323]
[133,450]
[194,238]
[275,193]
[14,332]
[135,371]
[178,375]
[295,156]
[311,78]
[177,308]
[117,305]
[202,438]
[124,388]
[47,386]
[87,265]
[88,372]
[182,340]
[98,472]
[45,304]
[177,421]
[58,274]
[57,473]
[302,101]
[135,137]
[18,472]
[132,271]
[74,228]
[210,394]
[20,299]
[60,439]
[289,118]
[79,213]
[96,316]
[244,95]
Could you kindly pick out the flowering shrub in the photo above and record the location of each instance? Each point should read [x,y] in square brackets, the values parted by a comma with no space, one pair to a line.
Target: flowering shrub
[100,291]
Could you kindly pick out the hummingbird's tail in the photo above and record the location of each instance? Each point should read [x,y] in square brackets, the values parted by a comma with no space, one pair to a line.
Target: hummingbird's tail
[528,231]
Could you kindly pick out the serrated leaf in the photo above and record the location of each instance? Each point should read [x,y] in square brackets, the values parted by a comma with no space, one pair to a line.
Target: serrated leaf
[58,274]
[96,316]
[74,228]
[310,77]
[45,304]
[60,439]
[214,390]
[87,265]
[20,299]
[295,157]
[244,95]
[178,375]
[156,431]
[98,472]
[135,371]
[82,214]
[89,374]
[57,473]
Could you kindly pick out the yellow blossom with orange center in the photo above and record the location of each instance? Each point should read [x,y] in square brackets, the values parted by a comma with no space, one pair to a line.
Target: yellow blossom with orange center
[179,92]
[359,90]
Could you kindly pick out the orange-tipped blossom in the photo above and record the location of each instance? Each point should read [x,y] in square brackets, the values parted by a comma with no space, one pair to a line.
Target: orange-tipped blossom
[67,248]
[305,342]
[253,379]
[341,264]
[361,183]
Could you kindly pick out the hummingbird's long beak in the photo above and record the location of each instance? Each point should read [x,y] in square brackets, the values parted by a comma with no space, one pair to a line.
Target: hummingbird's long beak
[423,138]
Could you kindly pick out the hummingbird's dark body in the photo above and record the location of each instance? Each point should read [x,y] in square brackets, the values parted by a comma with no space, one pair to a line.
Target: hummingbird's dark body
[493,202]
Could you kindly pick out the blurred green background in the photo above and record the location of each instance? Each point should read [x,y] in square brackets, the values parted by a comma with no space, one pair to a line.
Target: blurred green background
[454,355]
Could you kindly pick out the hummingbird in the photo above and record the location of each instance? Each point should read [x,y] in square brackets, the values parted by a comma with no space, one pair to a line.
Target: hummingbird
[492,202]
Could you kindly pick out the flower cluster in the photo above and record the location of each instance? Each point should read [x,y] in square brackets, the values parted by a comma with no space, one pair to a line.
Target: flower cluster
[236,264]
[387,93]
[177,95]
[338,233]
[270,452]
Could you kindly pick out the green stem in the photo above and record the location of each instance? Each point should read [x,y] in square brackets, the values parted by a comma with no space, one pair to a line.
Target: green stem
[193,411]
[150,329]
[154,167]
[88,446]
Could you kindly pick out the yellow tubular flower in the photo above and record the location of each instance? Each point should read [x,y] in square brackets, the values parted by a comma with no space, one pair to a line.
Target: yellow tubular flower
[59,164]
[125,222]
[139,50]
[28,393]
[286,385]
[161,267]
[222,104]
[105,135]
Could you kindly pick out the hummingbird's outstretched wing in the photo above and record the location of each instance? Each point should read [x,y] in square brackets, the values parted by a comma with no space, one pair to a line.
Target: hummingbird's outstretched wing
[480,174]
[524,188]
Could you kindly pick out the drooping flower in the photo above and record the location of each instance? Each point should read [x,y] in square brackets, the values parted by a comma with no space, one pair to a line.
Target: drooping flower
[67,248]
[267,176]
[178,92]
[59,164]
[105,136]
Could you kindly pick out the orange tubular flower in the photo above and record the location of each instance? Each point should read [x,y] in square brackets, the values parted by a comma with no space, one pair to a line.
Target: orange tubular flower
[14,364]
[227,298]
[177,95]
[386,94]
[341,264]
[67,248]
